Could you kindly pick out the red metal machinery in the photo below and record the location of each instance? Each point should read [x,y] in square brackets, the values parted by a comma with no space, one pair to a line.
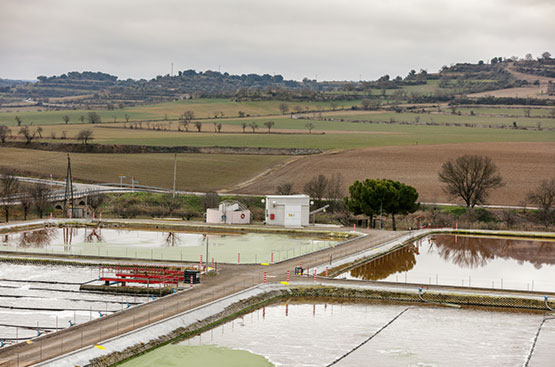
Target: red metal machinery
[140,274]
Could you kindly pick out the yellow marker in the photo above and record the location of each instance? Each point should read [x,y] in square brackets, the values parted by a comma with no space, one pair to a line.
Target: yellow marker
[264,264]
[98,346]
[29,342]
[285,283]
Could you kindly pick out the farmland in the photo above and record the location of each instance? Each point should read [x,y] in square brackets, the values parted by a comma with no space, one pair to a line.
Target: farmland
[198,172]
[408,146]
[202,108]
[522,165]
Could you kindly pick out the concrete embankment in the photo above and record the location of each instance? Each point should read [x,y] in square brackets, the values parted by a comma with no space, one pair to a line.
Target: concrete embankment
[215,313]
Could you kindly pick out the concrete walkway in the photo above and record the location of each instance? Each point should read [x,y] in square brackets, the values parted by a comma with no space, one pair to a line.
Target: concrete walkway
[83,356]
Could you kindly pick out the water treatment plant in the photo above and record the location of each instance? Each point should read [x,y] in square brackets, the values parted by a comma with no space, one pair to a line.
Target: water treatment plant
[89,292]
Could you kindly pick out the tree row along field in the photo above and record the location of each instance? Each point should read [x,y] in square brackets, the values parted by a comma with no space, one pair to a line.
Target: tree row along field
[288,133]
[224,108]
[202,109]
[195,172]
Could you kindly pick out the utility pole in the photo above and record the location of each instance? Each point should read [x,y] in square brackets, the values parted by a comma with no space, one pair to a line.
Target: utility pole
[68,197]
[207,253]
[174,171]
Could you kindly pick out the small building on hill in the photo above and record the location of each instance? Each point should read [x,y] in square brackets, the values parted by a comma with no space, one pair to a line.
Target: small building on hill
[287,210]
[229,212]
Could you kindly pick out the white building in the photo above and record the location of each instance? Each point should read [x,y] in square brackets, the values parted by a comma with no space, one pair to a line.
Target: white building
[287,210]
[229,212]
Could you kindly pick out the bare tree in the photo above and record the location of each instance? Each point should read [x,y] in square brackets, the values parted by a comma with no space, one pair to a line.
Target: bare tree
[188,115]
[285,188]
[470,177]
[82,118]
[198,125]
[215,127]
[93,118]
[18,120]
[40,194]
[39,131]
[26,201]
[84,136]
[27,134]
[8,187]
[269,125]
[309,126]
[219,127]
[96,201]
[183,123]
[365,103]
[210,200]
[66,119]
[253,125]
[4,133]
[317,187]
[335,191]
[333,105]
[126,116]
[527,111]
[284,108]
[544,197]
[244,126]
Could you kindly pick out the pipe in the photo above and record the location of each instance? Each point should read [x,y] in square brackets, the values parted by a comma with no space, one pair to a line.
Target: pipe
[545,298]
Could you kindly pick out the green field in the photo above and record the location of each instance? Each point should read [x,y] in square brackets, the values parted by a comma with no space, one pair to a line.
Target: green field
[203,108]
[512,111]
[448,118]
[291,133]
[197,172]
[385,135]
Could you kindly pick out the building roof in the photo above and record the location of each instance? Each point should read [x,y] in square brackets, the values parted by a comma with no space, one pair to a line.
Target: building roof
[298,196]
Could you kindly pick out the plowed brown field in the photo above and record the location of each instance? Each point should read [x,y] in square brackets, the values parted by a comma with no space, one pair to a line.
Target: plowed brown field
[522,165]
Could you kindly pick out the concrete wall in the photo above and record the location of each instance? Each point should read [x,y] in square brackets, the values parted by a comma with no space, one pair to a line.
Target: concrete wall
[215,216]
[284,210]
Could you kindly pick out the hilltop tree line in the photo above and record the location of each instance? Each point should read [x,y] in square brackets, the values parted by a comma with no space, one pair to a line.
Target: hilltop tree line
[101,90]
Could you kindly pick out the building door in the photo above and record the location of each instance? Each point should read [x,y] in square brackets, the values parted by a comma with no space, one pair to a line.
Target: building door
[292,216]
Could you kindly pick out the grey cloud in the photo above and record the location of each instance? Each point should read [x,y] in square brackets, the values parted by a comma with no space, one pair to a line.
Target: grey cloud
[329,38]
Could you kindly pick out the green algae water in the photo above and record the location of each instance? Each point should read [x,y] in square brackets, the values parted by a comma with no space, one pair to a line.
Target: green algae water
[204,355]
[164,245]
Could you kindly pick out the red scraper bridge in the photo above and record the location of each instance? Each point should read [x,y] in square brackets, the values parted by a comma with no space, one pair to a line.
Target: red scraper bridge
[140,275]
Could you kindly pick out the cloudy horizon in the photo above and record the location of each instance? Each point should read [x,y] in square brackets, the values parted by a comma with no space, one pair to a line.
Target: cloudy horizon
[318,39]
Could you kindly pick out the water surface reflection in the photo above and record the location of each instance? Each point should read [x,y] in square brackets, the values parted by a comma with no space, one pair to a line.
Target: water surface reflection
[471,261]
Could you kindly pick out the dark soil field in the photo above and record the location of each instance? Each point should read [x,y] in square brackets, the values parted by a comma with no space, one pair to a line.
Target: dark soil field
[522,165]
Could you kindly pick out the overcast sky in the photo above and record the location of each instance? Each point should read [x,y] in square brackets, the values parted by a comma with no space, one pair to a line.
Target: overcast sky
[327,39]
